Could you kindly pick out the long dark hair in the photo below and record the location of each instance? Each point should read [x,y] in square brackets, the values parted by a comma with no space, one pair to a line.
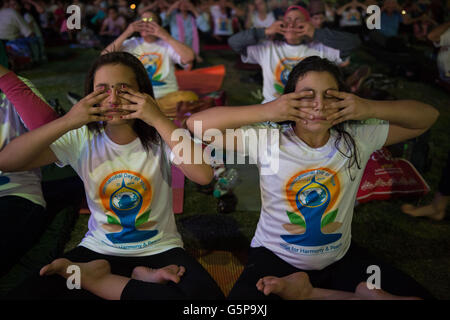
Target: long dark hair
[318,64]
[146,133]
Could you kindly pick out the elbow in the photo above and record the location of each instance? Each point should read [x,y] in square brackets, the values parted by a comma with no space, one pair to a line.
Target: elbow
[436,115]
[207,177]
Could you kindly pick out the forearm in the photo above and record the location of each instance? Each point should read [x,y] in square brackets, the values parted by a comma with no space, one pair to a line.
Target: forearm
[27,147]
[179,140]
[241,40]
[186,53]
[116,45]
[408,114]
[435,35]
[223,118]
[33,111]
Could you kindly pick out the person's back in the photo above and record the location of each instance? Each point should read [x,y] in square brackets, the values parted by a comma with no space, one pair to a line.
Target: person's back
[12,25]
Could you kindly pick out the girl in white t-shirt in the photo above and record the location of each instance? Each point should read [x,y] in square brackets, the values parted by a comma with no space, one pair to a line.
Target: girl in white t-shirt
[310,170]
[119,143]
[258,15]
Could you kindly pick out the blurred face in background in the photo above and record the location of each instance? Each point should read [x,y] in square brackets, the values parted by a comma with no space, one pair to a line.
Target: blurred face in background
[260,5]
[292,21]
[317,20]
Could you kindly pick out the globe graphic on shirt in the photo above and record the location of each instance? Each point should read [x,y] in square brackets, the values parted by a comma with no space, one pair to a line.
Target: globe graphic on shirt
[313,197]
[125,200]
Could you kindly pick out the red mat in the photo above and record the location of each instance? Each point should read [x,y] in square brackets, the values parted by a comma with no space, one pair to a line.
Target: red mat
[202,80]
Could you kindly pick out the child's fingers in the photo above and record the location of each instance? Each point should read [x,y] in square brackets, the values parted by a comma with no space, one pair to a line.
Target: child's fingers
[97,98]
[133,92]
[338,94]
[129,116]
[129,107]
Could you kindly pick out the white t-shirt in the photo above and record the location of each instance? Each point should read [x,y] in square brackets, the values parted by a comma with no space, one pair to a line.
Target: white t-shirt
[277,59]
[350,18]
[308,197]
[12,25]
[443,58]
[24,184]
[127,190]
[159,59]
[258,23]
[223,25]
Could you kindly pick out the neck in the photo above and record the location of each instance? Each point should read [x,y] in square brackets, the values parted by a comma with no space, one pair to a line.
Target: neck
[312,139]
[121,133]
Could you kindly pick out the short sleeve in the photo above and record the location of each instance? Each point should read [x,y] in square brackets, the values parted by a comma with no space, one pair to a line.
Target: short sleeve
[129,45]
[174,56]
[68,147]
[371,136]
[251,138]
[255,54]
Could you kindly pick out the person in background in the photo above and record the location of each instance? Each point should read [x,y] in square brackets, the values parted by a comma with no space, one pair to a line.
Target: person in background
[259,15]
[281,46]
[440,36]
[112,26]
[22,108]
[351,16]
[223,13]
[156,49]
[185,20]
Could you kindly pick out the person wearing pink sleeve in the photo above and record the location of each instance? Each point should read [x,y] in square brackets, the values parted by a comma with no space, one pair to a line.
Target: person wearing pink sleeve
[23,208]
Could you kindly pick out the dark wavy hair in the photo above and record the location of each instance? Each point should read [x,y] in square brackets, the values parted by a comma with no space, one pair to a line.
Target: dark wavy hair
[146,133]
[318,64]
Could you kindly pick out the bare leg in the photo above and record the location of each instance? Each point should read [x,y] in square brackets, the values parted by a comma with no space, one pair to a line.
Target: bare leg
[364,293]
[435,210]
[162,275]
[297,286]
[96,277]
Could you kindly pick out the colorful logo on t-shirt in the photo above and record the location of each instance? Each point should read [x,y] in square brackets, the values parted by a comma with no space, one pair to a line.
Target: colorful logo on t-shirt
[282,71]
[126,198]
[152,63]
[312,195]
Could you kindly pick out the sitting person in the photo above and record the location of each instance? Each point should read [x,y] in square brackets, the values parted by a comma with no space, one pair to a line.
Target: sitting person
[223,13]
[16,32]
[258,15]
[310,171]
[119,143]
[299,40]
[440,36]
[112,26]
[184,21]
[351,16]
[156,49]
[21,197]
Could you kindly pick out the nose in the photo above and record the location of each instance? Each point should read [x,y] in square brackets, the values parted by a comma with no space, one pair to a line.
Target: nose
[319,104]
[114,96]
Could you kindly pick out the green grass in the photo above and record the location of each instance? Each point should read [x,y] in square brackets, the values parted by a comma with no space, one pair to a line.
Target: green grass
[419,247]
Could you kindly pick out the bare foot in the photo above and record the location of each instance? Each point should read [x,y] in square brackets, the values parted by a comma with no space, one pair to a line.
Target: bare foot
[363,292]
[295,286]
[90,270]
[162,275]
[58,266]
[435,210]
[428,211]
